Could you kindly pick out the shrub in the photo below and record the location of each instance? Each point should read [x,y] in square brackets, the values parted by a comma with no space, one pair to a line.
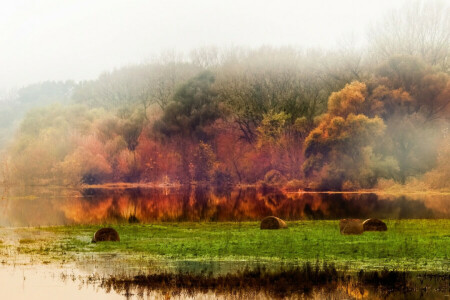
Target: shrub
[274,177]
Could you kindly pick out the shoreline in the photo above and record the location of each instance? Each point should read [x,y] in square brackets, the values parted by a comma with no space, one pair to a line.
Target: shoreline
[127,185]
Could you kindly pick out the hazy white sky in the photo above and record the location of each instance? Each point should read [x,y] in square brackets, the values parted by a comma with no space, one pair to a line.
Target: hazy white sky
[78,39]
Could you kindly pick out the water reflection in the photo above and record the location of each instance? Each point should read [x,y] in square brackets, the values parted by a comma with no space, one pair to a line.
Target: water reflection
[45,206]
[307,282]
[48,282]
[56,282]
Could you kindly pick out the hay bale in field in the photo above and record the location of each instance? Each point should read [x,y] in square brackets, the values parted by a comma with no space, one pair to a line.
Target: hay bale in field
[374,225]
[106,235]
[272,223]
[351,226]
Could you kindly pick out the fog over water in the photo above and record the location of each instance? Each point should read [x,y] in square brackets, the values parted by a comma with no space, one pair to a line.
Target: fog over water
[60,40]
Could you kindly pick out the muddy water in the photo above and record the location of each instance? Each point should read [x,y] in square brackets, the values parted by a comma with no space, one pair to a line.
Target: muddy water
[56,206]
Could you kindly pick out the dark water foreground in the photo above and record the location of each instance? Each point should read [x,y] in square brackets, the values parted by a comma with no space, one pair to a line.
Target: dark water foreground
[263,280]
[305,282]
[27,206]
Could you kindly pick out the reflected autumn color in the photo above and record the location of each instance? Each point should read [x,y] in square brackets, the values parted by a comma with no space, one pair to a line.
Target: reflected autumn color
[93,206]
[303,282]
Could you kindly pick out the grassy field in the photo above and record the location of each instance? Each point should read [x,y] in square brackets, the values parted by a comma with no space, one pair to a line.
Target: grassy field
[409,245]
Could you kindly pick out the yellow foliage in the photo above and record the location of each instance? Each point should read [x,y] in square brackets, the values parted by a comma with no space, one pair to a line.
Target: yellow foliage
[348,100]
[271,128]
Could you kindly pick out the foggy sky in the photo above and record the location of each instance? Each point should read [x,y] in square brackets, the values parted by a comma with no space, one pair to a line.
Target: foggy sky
[78,39]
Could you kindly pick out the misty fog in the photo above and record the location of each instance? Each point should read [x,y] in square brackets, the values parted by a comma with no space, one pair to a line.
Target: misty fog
[77,40]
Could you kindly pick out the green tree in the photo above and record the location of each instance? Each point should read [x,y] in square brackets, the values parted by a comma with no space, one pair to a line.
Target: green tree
[268,79]
[271,128]
[193,108]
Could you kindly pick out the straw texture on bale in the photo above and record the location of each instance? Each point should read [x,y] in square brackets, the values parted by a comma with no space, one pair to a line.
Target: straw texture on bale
[374,225]
[351,226]
[272,223]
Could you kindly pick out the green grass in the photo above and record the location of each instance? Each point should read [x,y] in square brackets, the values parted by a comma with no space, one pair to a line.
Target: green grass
[407,245]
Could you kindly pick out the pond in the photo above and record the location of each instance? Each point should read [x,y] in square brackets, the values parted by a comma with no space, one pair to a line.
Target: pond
[57,206]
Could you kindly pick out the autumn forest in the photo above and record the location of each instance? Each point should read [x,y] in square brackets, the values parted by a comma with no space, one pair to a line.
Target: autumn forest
[352,118]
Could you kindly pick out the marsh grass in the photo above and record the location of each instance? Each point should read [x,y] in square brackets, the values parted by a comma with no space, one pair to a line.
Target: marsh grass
[416,245]
[411,258]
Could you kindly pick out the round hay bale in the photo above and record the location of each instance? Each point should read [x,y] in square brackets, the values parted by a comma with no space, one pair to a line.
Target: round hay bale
[374,225]
[272,223]
[106,235]
[351,226]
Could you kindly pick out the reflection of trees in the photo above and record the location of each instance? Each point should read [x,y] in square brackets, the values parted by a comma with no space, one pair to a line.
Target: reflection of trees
[19,209]
[4,201]
[4,198]
[203,204]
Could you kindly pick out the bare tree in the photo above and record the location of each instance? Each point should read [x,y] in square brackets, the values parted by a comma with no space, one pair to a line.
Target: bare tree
[419,28]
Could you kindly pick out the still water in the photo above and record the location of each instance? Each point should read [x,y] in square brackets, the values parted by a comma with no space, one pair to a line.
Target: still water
[57,282]
[56,206]
[37,206]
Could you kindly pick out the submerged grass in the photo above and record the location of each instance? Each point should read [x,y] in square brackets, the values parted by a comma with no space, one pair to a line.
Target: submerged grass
[410,245]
